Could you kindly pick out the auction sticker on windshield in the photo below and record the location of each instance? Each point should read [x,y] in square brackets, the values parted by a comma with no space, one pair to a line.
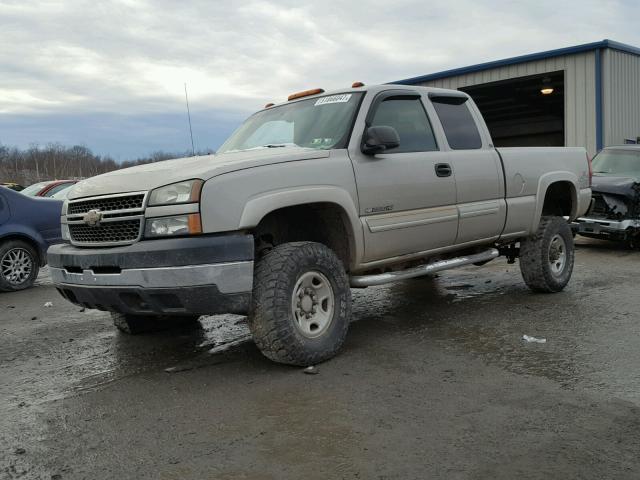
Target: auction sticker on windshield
[333,99]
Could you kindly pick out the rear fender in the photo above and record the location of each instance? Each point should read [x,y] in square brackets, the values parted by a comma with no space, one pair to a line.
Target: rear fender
[23,232]
[544,183]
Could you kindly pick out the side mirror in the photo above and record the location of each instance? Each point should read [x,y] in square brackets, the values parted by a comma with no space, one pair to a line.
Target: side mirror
[378,139]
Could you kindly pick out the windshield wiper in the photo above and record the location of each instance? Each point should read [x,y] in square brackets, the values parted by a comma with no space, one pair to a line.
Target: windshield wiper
[279,145]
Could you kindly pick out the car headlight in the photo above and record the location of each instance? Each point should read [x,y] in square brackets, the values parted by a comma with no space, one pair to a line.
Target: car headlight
[173,226]
[181,192]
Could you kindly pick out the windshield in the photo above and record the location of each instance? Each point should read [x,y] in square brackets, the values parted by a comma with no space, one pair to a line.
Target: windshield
[319,122]
[625,163]
[32,190]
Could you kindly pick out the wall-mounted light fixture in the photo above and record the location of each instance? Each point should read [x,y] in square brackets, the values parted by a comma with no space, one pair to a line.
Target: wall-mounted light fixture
[546,89]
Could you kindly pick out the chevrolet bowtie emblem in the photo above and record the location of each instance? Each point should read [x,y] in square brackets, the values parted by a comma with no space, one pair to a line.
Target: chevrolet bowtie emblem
[92,217]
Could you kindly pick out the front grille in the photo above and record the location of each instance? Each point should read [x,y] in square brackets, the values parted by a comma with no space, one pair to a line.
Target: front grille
[108,232]
[119,219]
[126,202]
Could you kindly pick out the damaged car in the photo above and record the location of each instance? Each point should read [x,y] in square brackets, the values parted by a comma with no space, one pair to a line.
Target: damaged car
[615,208]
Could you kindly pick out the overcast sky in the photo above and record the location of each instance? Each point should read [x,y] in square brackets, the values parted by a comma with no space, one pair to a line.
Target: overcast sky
[110,74]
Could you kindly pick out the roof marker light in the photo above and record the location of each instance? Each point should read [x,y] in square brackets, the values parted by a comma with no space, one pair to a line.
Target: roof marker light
[269,105]
[305,93]
[357,84]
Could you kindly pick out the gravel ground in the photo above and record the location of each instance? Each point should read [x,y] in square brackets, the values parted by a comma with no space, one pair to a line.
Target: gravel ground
[435,381]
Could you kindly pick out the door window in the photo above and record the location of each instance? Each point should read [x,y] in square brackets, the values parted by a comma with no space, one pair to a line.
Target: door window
[459,126]
[408,117]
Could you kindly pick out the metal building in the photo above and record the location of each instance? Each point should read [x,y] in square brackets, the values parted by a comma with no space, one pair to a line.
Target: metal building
[587,95]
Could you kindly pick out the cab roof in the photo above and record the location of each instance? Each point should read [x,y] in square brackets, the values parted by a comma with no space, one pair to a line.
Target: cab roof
[373,89]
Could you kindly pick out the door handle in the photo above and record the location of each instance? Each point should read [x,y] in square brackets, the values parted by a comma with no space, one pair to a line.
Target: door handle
[443,170]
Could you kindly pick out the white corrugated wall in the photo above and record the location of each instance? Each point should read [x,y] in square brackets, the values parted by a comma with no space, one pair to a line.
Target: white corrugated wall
[620,97]
[579,101]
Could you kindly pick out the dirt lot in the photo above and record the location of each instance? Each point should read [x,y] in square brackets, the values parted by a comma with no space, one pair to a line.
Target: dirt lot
[434,381]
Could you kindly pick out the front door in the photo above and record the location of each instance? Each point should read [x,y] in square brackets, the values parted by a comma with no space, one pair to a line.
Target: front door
[407,194]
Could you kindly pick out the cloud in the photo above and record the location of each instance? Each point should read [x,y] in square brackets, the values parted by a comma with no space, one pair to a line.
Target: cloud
[114,59]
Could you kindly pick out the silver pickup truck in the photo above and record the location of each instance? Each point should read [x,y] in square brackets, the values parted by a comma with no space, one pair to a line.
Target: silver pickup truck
[308,198]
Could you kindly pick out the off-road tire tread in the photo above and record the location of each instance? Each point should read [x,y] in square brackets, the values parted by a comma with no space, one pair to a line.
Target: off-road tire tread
[533,265]
[269,319]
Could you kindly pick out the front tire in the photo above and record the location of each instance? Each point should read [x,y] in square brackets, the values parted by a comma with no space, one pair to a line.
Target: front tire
[301,304]
[547,257]
[138,324]
[19,265]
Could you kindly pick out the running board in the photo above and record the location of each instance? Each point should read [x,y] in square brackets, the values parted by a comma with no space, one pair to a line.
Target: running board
[382,278]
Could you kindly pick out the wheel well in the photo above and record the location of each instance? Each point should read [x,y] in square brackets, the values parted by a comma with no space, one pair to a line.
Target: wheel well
[25,239]
[325,223]
[559,199]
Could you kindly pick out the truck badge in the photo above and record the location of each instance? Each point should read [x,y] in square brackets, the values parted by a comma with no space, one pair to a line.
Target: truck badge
[92,217]
[384,208]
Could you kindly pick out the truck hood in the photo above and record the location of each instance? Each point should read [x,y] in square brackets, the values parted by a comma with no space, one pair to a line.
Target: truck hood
[154,175]
[616,197]
[628,187]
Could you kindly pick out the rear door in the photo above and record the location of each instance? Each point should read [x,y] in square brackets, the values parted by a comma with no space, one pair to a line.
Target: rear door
[477,168]
[407,205]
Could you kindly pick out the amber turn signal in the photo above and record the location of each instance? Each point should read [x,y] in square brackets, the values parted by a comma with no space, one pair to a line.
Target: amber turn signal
[269,105]
[306,93]
[196,189]
[195,225]
[357,84]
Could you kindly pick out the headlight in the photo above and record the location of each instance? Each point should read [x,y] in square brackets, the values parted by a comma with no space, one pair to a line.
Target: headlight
[181,192]
[169,226]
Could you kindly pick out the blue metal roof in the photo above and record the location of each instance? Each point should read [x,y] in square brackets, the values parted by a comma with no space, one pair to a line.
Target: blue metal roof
[522,59]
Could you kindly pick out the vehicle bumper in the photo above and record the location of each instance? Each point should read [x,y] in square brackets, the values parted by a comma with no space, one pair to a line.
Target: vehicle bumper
[182,276]
[603,228]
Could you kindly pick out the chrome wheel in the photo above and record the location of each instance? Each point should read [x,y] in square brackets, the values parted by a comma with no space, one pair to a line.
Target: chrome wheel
[16,266]
[312,304]
[557,254]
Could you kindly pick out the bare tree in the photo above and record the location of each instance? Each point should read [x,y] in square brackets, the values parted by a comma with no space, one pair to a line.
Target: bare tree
[56,161]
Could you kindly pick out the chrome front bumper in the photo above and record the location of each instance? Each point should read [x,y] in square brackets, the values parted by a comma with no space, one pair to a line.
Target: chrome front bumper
[234,277]
[183,276]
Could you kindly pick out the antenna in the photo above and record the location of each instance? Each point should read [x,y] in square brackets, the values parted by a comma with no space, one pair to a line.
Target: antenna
[193,148]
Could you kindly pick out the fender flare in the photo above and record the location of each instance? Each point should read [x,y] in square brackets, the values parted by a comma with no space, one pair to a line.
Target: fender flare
[544,183]
[260,205]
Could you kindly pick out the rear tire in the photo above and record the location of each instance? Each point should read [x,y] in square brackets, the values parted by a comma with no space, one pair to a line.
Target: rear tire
[547,257]
[138,324]
[301,304]
[19,265]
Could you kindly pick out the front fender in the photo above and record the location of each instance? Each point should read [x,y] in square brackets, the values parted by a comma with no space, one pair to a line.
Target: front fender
[239,200]
[264,203]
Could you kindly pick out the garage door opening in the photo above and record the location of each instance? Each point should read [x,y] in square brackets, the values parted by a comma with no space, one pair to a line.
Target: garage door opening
[523,112]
